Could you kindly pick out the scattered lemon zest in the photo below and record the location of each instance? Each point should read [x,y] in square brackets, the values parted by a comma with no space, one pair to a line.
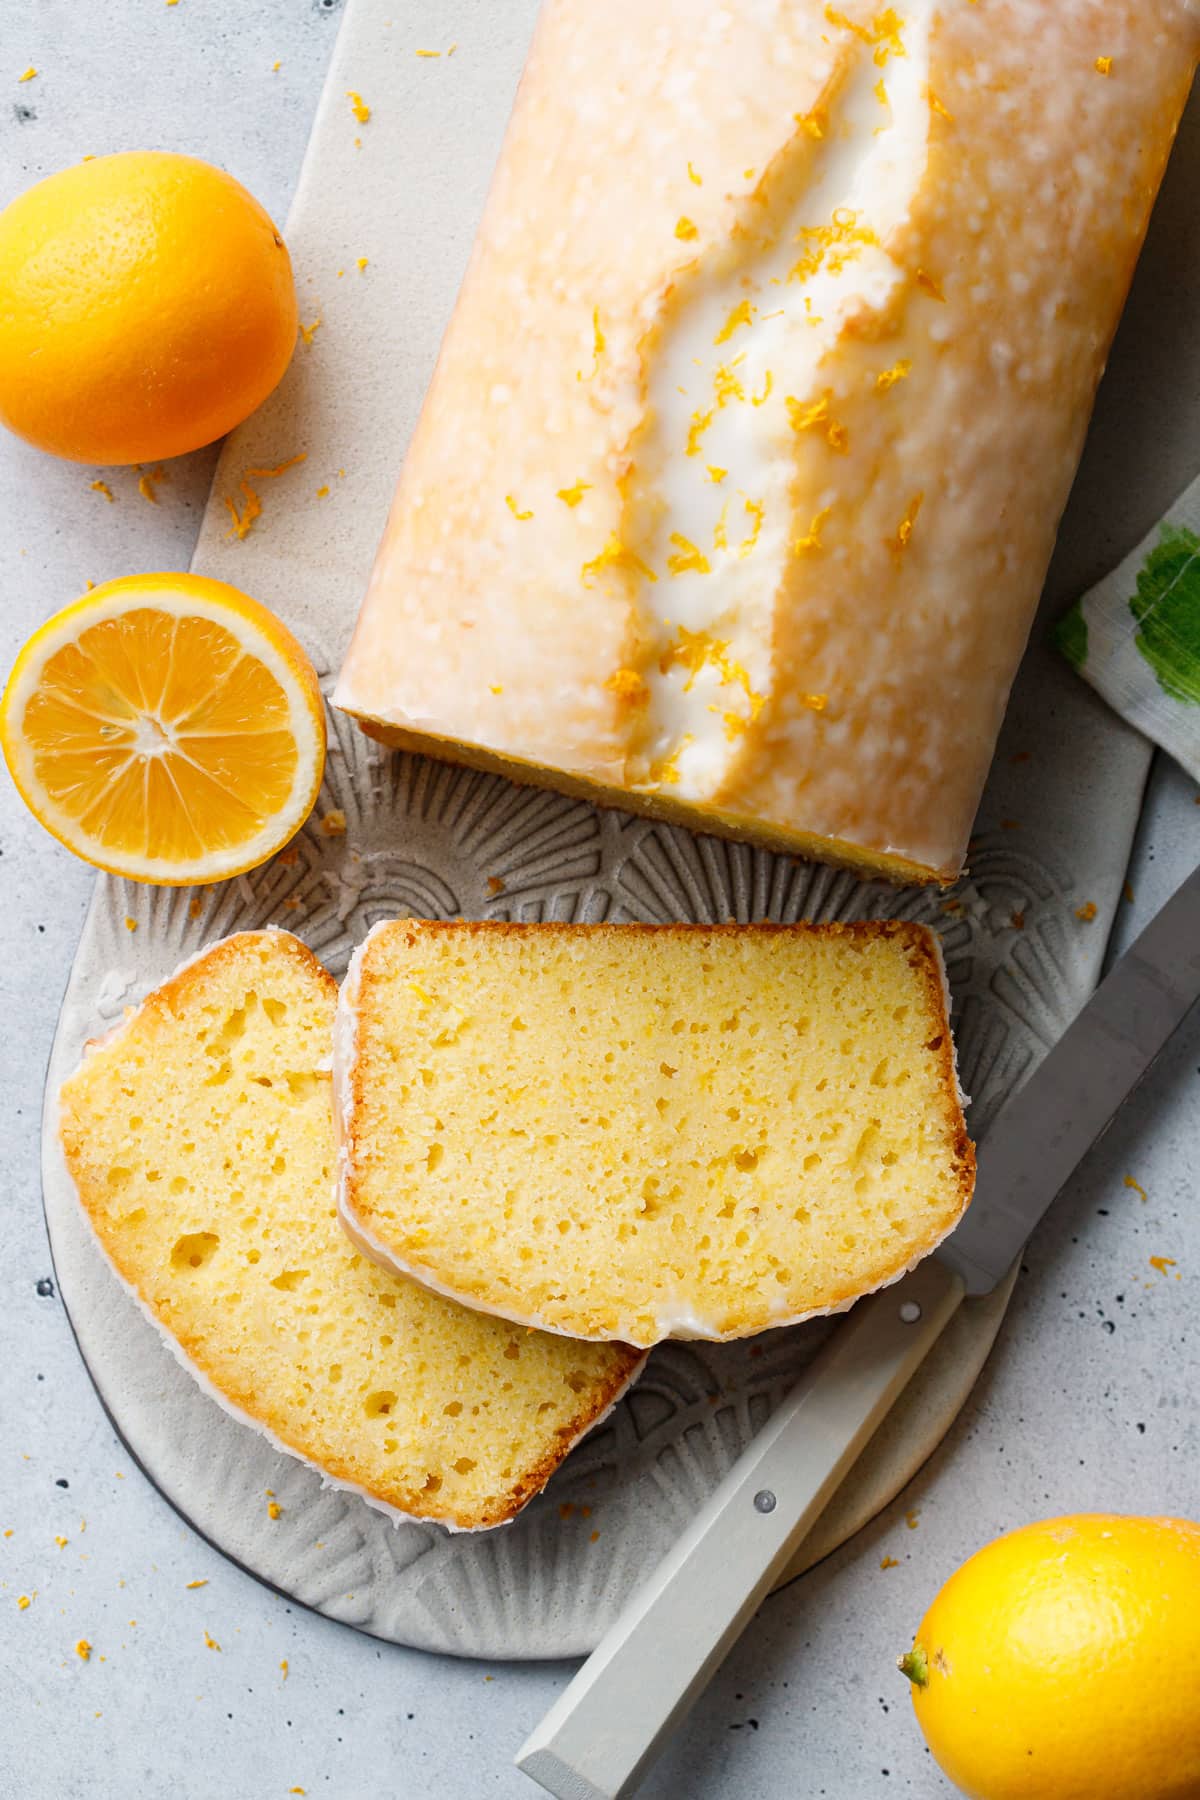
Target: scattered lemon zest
[275,67]
[735,725]
[882,35]
[720,535]
[803,417]
[814,124]
[496,687]
[936,106]
[83,1650]
[1103,65]
[283,1668]
[912,1519]
[686,229]
[102,487]
[755,509]
[699,425]
[147,482]
[928,285]
[1086,912]
[62,1542]
[881,93]
[514,509]
[243,522]
[626,684]
[571,496]
[768,384]
[203,1582]
[665,773]
[333,825]
[727,385]
[890,1562]
[23,1603]
[697,180]
[274,1510]
[323,491]
[599,345]
[1162,1263]
[358,106]
[715,473]
[741,314]
[904,530]
[616,555]
[309,332]
[28,75]
[429,53]
[831,246]
[811,539]
[1137,1187]
[131,924]
[899,371]
[210,1643]
[360,263]
[697,650]
[688,557]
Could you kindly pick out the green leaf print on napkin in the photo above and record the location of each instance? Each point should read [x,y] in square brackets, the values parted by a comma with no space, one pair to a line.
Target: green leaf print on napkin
[1167,608]
[1071,635]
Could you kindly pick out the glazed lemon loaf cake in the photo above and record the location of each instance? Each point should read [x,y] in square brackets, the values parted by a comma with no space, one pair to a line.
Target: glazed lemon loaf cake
[738,476]
[200,1139]
[641,1132]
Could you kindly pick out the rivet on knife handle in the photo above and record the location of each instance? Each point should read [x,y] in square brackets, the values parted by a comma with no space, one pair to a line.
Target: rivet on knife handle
[661,1651]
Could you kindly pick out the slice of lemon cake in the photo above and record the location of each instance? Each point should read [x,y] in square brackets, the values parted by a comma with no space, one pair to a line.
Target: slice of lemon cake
[640,1132]
[200,1138]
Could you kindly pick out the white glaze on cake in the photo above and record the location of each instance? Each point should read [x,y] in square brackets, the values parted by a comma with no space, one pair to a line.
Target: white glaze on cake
[879,644]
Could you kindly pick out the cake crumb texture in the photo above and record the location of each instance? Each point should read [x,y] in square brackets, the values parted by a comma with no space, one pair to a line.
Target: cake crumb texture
[200,1138]
[639,1132]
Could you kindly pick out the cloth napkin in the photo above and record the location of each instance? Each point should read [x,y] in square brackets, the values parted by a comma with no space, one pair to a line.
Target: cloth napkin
[1135,636]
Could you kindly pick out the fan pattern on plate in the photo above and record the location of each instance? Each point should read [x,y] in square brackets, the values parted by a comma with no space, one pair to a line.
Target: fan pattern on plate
[398,834]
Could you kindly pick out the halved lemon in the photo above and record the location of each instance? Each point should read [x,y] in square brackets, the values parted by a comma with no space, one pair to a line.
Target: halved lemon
[167,728]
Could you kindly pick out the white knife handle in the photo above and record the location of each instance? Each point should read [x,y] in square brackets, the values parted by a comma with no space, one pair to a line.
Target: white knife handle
[603,1731]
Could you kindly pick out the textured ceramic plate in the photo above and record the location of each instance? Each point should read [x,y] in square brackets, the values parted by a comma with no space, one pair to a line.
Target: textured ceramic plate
[405,191]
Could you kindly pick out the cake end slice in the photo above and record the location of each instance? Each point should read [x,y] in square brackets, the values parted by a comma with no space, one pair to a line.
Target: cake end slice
[200,1139]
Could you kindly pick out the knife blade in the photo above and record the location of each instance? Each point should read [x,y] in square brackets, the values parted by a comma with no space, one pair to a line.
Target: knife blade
[1077,1090]
[605,1729]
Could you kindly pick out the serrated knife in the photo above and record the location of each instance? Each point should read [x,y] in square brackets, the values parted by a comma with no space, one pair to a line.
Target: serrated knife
[603,1732]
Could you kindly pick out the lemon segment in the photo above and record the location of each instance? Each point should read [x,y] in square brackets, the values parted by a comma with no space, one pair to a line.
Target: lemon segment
[167,728]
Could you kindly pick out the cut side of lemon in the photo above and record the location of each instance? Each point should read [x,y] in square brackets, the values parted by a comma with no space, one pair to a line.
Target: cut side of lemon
[166,727]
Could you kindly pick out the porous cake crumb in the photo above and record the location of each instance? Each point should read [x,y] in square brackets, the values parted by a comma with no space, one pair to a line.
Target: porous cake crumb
[641,1132]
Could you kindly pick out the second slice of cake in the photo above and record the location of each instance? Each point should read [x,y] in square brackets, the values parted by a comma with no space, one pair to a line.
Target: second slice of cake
[643,1132]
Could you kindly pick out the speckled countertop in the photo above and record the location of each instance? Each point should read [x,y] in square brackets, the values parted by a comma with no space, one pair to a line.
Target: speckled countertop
[201,1684]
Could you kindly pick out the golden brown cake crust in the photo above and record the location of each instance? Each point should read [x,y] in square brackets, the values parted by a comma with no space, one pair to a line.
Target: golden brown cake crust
[174,1000]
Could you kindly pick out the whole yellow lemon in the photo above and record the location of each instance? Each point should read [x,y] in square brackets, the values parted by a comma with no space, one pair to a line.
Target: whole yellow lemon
[1062,1662]
[146,306]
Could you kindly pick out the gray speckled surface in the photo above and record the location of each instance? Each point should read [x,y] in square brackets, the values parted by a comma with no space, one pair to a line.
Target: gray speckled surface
[1069,1414]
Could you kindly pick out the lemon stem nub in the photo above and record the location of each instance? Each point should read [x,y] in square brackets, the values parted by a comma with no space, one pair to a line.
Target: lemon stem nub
[915,1665]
